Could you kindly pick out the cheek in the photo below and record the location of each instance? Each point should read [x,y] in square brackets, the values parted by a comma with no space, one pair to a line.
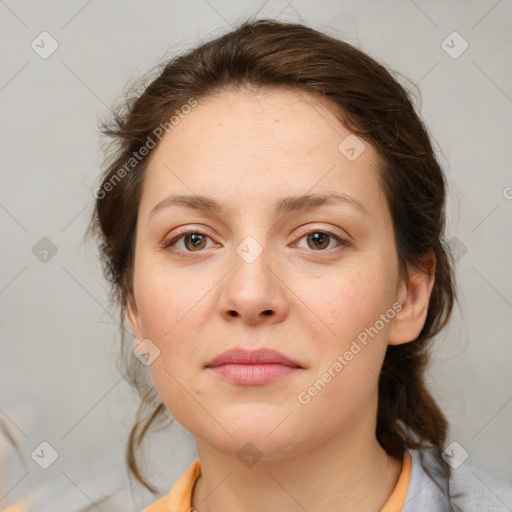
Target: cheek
[356,306]
[347,303]
[173,311]
[165,302]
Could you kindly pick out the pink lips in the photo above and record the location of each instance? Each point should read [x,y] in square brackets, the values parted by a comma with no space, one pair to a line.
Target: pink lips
[252,367]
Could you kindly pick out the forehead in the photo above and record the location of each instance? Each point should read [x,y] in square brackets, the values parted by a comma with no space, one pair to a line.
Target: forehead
[247,145]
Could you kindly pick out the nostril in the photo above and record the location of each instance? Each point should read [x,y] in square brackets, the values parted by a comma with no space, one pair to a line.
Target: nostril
[267,312]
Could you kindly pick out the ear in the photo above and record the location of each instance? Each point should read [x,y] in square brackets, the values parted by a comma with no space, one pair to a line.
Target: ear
[414,296]
[132,316]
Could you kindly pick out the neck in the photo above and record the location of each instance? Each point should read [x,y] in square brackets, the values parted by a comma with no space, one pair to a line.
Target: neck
[345,473]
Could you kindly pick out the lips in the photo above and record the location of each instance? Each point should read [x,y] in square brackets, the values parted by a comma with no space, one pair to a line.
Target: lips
[257,357]
[252,368]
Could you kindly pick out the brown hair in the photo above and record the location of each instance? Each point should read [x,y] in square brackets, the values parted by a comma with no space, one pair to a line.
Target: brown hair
[372,103]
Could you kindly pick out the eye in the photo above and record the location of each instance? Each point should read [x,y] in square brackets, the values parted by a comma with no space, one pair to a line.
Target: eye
[193,241]
[319,240]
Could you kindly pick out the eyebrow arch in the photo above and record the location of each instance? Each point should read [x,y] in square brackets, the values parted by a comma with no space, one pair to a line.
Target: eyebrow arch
[283,206]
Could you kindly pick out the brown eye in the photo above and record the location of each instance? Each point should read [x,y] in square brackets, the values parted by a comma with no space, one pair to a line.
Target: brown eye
[318,240]
[321,241]
[197,241]
[187,242]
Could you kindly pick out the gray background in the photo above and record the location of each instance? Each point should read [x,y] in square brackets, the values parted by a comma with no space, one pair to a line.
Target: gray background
[58,377]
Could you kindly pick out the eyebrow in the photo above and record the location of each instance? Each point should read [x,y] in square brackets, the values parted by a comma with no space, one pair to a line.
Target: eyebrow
[283,206]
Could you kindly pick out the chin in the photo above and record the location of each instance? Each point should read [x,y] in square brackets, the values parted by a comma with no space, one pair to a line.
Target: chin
[256,440]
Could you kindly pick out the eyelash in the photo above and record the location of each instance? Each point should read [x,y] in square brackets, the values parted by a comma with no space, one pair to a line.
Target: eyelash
[179,236]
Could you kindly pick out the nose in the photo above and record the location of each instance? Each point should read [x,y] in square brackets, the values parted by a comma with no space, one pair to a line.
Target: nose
[253,291]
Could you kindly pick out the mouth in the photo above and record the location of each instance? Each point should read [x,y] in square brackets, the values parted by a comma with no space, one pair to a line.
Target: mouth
[256,367]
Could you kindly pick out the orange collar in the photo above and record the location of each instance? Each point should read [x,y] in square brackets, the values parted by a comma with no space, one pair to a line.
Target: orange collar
[179,498]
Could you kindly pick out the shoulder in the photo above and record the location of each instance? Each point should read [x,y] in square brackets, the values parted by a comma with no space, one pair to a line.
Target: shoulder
[470,489]
[480,490]
[179,498]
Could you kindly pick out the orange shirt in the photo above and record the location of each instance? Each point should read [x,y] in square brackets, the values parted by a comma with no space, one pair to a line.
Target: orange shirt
[179,498]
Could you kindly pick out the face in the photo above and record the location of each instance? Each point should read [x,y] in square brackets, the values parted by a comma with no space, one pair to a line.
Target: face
[305,280]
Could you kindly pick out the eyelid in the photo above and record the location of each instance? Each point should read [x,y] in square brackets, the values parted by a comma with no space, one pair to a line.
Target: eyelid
[313,227]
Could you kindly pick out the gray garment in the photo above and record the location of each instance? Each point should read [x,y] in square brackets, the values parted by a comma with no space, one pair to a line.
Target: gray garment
[471,490]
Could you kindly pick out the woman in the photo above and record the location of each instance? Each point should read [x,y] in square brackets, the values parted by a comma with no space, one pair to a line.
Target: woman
[271,220]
